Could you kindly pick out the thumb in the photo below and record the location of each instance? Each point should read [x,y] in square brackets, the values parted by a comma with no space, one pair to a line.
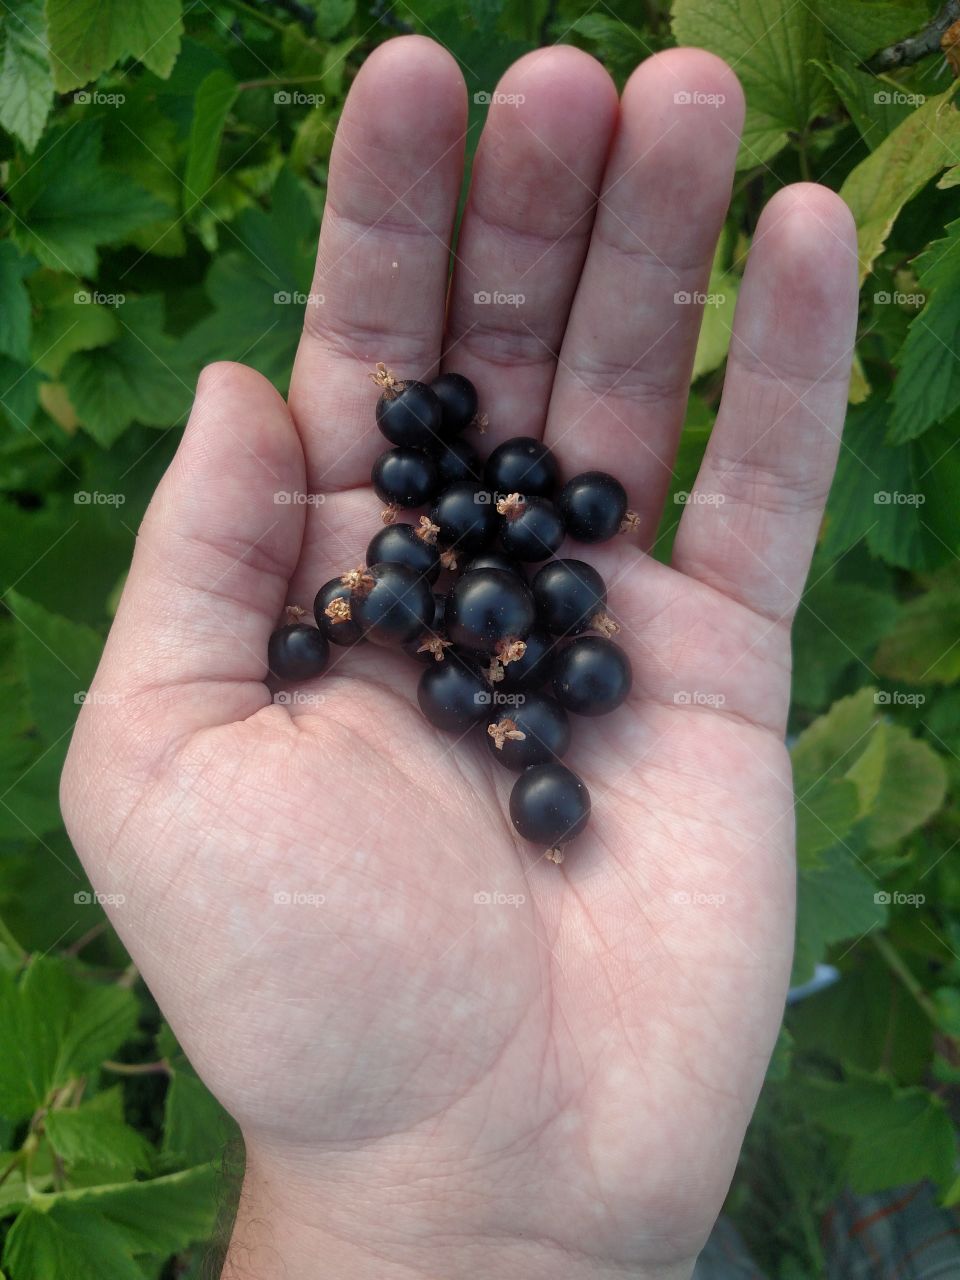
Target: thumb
[214,554]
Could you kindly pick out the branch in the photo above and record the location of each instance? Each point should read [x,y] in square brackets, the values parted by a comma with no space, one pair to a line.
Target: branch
[910,50]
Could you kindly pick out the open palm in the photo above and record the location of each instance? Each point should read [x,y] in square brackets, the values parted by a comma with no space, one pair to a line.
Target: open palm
[446,1054]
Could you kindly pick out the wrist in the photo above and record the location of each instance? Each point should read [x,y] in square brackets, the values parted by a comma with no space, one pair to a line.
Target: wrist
[288,1229]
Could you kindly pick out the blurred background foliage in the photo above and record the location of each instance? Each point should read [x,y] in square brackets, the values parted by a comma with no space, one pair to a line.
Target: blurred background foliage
[163,172]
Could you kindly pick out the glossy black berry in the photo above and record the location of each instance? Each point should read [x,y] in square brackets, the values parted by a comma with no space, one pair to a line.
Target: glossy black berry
[591,676]
[334,615]
[593,506]
[522,465]
[297,652]
[466,519]
[431,645]
[550,805]
[458,460]
[530,529]
[487,609]
[570,596]
[453,695]
[492,560]
[405,477]
[391,603]
[534,668]
[458,402]
[408,413]
[400,544]
[535,730]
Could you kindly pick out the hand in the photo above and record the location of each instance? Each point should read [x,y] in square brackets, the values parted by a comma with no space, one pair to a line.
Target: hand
[428,1085]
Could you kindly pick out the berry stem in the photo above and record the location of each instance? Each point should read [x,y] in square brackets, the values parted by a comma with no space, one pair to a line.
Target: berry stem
[603,623]
[555,854]
[511,651]
[427,532]
[389,513]
[294,612]
[630,522]
[385,380]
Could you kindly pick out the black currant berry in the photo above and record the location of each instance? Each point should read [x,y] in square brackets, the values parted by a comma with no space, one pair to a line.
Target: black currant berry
[490,611]
[458,402]
[528,672]
[522,465]
[593,506]
[549,805]
[591,676]
[453,695]
[466,519]
[297,652]
[331,608]
[390,602]
[492,560]
[405,477]
[431,645]
[458,460]
[408,413]
[401,544]
[571,597]
[534,731]
[531,528]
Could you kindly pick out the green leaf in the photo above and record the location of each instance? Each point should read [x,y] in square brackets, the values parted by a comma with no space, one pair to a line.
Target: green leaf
[875,108]
[258,292]
[714,339]
[910,791]
[19,388]
[54,1028]
[835,903]
[896,1136]
[215,96]
[333,16]
[878,188]
[58,659]
[141,143]
[923,648]
[15,314]
[92,1134]
[861,27]
[619,45]
[901,498]
[195,1126]
[772,44]
[94,1232]
[88,37]
[927,388]
[142,376]
[693,443]
[26,82]
[67,204]
[68,319]
[837,625]
[826,812]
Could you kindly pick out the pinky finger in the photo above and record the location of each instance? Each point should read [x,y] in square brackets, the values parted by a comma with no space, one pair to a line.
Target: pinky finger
[770,461]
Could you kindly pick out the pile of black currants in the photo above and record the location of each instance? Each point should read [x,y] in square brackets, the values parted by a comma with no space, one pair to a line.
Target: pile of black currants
[503,645]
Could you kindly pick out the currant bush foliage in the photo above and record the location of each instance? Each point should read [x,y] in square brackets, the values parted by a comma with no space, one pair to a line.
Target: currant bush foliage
[163,171]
